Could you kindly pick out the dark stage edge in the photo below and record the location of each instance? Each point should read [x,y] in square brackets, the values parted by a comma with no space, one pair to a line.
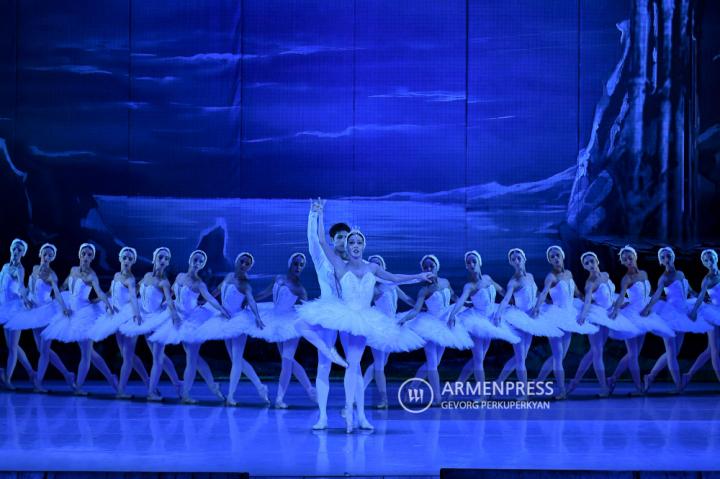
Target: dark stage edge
[60,432]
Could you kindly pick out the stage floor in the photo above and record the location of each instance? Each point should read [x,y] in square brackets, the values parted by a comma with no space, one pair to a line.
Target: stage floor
[60,432]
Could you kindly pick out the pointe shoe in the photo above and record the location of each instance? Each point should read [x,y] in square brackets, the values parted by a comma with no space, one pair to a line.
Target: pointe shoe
[279,404]
[37,388]
[123,395]
[382,405]
[365,425]
[348,424]
[115,383]
[154,398]
[684,381]
[312,392]
[79,391]
[321,425]
[337,359]
[188,400]
[560,397]
[647,382]
[230,402]
[611,383]
[216,391]
[571,387]
[263,393]
[70,379]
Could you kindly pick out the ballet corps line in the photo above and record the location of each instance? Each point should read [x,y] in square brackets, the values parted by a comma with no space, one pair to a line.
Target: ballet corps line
[358,304]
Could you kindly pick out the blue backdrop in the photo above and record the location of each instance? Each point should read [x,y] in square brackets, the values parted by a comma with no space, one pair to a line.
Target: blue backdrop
[436,127]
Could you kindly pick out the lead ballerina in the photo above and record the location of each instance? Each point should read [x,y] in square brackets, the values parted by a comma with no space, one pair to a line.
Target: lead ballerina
[352,315]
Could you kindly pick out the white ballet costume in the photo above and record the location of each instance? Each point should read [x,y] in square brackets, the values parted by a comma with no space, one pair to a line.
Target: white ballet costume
[279,316]
[674,310]
[241,320]
[477,322]
[10,301]
[108,324]
[353,313]
[638,297]
[44,308]
[602,300]
[517,316]
[432,325]
[563,312]
[74,328]
[710,312]
[192,317]
[152,312]
[399,338]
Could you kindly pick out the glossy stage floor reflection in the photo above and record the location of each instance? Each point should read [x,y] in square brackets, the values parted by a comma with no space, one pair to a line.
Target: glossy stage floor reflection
[58,432]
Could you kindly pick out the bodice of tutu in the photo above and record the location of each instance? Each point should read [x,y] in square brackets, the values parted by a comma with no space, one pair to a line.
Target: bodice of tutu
[484,298]
[9,287]
[387,302]
[525,298]
[438,301]
[677,292]
[79,293]
[562,293]
[186,299]
[120,294]
[151,298]
[639,294]
[283,298]
[714,294]
[357,292]
[603,295]
[232,298]
[42,292]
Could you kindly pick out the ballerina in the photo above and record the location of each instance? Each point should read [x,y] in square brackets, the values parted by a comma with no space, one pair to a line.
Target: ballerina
[636,286]
[13,298]
[78,315]
[43,285]
[353,316]
[674,311]
[279,318]
[123,297]
[599,298]
[188,287]
[709,313]
[559,284]
[235,291]
[523,290]
[433,326]
[385,300]
[322,338]
[481,290]
[156,308]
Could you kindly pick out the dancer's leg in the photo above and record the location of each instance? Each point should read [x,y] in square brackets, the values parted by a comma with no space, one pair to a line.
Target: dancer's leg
[466,371]
[316,336]
[102,366]
[236,348]
[597,346]
[633,364]
[556,346]
[480,348]
[54,360]
[207,375]
[192,352]
[84,365]
[379,363]
[322,380]
[433,361]
[520,355]
[287,353]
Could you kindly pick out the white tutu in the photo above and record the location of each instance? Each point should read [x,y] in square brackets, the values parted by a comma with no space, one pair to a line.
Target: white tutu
[379,332]
[710,313]
[533,326]
[150,322]
[218,327]
[620,327]
[565,319]
[108,324]
[37,317]
[169,333]
[279,325]
[651,323]
[676,316]
[480,326]
[10,309]
[73,328]
[436,330]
